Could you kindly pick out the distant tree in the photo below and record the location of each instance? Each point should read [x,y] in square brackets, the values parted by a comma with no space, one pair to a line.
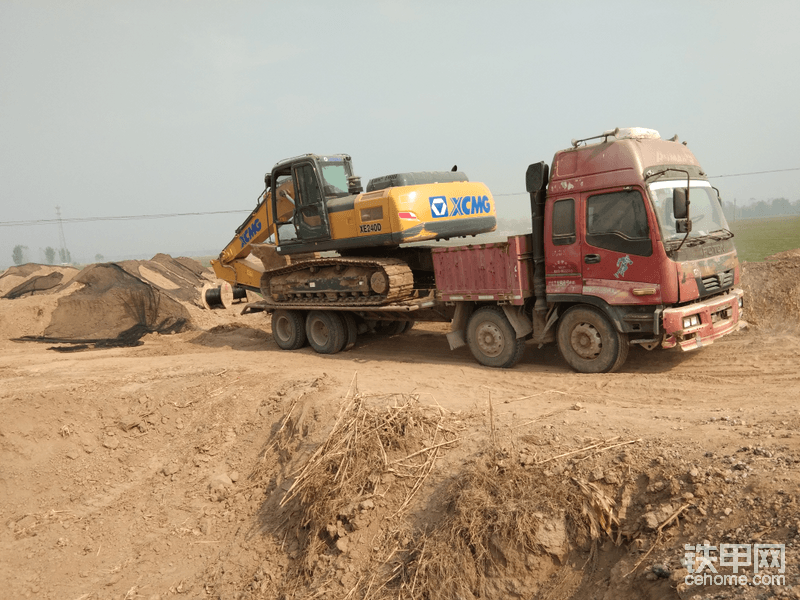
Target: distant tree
[18,254]
[50,255]
[781,206]
[64,255]
[99,257]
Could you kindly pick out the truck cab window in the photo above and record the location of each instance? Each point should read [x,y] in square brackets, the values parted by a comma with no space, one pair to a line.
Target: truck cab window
[618,221]
[564,222]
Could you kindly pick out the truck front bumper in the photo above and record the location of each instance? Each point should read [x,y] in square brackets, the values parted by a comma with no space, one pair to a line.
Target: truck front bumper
[717,317]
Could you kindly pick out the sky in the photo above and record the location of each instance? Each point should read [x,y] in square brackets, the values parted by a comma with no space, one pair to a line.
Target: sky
[112,108]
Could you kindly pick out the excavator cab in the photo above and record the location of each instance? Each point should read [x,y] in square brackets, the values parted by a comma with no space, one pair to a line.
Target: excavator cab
[309,182]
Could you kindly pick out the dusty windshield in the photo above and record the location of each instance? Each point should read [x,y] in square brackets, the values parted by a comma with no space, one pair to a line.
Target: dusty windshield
[334,175]
[704,210]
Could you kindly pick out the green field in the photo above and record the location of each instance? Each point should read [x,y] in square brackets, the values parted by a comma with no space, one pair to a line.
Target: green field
[758,238]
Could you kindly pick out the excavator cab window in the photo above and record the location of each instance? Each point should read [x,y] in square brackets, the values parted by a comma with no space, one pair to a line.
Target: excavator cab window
[335,179]
[310,214]
[284,186]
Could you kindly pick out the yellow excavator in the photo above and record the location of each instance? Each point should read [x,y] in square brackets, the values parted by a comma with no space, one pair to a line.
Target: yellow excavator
[317,239]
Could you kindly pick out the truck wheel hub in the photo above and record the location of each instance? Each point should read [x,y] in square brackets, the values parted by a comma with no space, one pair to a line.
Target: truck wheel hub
[586,341]
[490,339]
[319,332]
[283,328]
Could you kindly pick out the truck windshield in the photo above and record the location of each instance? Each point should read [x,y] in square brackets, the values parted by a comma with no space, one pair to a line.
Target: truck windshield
[335,180]
[704,210]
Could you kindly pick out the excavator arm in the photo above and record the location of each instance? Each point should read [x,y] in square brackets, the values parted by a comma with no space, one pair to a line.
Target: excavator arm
[233,264]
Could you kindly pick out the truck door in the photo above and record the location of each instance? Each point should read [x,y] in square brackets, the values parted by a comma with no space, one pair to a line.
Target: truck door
[563,254]
[310,217]
[619,264]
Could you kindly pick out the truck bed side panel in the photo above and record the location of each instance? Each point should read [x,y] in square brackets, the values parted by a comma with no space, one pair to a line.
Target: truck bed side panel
[498,271]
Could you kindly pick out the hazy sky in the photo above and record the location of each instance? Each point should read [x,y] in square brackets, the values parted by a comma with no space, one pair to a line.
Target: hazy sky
[126,108]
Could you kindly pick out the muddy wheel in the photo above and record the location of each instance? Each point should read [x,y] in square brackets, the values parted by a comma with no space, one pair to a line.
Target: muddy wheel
[589,342]
[492,339]
[326,331]
[351,327]
[288,329]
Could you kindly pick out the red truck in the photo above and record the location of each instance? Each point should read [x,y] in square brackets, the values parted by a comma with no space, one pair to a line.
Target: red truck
[629,245]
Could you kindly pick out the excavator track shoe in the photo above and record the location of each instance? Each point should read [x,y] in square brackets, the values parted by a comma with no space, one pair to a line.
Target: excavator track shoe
[339,282]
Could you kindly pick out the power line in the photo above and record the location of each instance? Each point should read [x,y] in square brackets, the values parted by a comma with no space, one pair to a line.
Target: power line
[226,212]
[755,173]
[120,218]
[709,177]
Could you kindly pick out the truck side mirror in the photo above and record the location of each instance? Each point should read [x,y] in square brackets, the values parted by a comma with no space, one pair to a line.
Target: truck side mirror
[536,177]
[680,204]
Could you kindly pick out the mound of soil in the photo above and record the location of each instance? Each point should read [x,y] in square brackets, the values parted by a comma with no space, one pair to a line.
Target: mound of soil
[110,302]
[772,291]
[16,278]
[106,304]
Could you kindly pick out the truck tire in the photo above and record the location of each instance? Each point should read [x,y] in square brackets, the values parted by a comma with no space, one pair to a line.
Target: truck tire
[589,342]
[492,339]
[351,327]
[288,329]
[391,327]
[326,331]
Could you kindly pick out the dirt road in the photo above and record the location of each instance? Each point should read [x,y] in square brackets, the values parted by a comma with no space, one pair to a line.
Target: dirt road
[151,472]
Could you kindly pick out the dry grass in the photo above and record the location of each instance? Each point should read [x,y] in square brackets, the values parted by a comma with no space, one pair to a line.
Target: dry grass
[496,509]
[366,443]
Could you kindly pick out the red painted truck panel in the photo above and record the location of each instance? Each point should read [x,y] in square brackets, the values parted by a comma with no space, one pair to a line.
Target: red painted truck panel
[497,271]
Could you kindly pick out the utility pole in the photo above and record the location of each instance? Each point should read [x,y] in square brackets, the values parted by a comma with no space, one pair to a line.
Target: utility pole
[64,252]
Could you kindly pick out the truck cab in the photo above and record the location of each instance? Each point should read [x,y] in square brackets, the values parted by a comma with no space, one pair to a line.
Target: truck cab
[634,232]
[628,245]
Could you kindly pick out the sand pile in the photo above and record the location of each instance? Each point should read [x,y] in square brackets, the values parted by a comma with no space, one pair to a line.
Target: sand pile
[30,279]
[772,291]
[105,304]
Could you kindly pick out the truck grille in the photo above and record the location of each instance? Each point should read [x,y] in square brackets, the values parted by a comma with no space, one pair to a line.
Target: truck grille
[718,281]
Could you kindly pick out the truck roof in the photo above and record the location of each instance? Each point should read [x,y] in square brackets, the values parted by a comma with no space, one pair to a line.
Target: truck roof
[629,159]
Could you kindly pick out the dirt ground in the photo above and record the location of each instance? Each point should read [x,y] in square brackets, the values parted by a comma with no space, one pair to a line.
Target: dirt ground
[211,464]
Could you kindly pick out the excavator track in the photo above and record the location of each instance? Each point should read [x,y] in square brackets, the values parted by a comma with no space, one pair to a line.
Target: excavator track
[339,281]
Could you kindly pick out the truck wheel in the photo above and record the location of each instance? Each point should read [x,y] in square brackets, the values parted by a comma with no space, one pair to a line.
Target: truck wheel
[590,343]
[288,329]
[326,331]
[492,339]
[351,327]
[391,327]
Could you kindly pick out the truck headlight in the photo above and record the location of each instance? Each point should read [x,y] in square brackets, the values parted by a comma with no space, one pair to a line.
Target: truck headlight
[691,321]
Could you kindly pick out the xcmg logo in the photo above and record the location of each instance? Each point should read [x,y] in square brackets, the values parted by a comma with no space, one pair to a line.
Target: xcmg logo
[465,205]
[248,233]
